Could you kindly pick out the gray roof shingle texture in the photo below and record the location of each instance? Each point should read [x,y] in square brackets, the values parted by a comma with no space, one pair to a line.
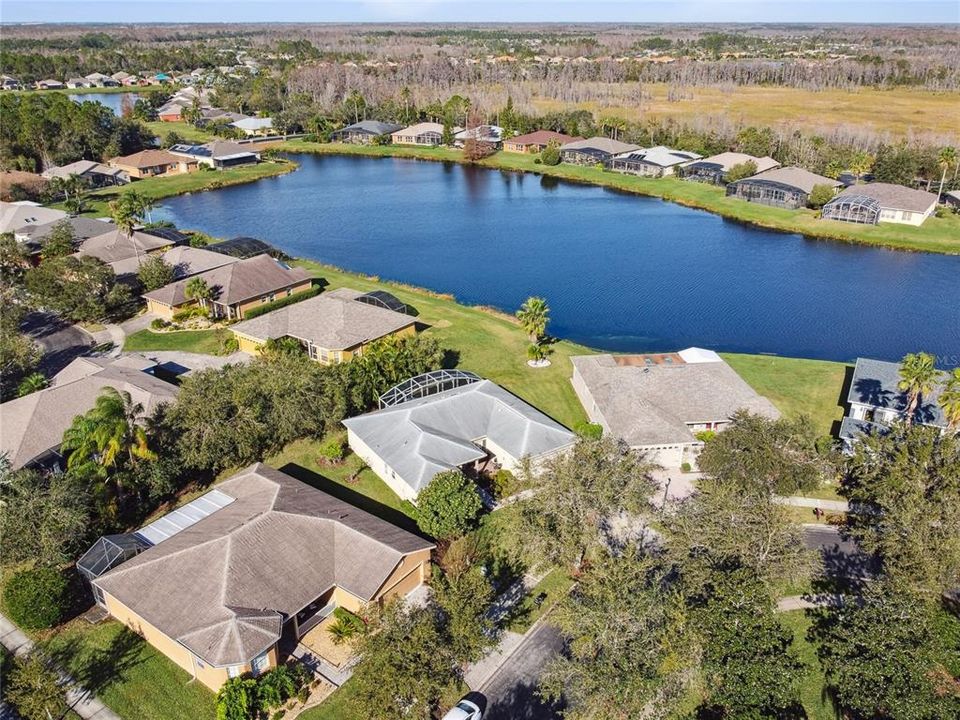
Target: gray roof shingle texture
[651,405]
[874,384]
[794,177]
[421,438]
[894,197]
[334,321]
[613,147]
[222,586]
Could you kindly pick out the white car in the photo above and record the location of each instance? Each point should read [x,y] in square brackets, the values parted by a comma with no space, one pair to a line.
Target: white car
[464,710]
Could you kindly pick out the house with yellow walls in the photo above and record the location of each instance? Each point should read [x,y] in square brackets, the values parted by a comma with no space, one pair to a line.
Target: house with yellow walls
[332,328]
[234,288]
[234,582]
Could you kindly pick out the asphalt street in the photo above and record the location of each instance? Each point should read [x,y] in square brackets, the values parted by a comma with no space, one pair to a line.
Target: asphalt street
[511,692]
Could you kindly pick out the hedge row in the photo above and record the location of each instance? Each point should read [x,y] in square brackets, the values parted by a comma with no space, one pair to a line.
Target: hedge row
[282,302]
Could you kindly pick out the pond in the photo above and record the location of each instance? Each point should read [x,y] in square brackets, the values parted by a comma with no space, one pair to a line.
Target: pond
[114,101]
[620,272]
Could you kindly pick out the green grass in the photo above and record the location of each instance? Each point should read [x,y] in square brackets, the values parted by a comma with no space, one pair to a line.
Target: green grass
[796,386]
[812,689]
[131,677]
[336,707]
[164,187]
[187,131]
[940,235]
[198,341]
[555,585]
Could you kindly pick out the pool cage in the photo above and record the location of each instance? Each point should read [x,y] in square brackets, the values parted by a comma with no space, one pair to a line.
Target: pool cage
[427,384]
[852,208]
[379,298]
[108,552]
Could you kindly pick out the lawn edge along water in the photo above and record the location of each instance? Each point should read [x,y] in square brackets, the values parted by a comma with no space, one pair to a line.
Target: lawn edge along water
[937,235]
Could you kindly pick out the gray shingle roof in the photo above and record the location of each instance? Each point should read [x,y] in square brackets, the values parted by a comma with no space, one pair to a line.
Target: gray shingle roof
[894,197]
[727,160]
[221,586]
[650,405]
[334,321]
[374,127]
[237,281]
[34,425]
[15,215]
[420,438]
[187,261]
[874,384]
[83,228]
[603,144]
[795,177]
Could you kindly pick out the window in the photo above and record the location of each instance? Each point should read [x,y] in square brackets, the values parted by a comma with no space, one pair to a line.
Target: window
[233,671]
[907,216]
[260,663]
[324,355]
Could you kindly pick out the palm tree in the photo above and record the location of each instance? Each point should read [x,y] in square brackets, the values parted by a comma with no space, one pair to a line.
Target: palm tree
[918,375]
[860,164]
[534,315]
[946,158]
[127,212]
[108,432]
[198,289]
[950,400]
[31,383]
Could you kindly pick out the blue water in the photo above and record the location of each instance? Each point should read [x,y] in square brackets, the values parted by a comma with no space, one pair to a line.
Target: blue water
[620,272]
[110,100]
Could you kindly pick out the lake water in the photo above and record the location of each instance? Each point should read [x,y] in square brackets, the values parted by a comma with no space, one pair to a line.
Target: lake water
[620,272]
[111,100]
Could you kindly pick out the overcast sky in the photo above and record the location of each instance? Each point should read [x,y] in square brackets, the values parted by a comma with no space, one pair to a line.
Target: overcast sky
[177,11]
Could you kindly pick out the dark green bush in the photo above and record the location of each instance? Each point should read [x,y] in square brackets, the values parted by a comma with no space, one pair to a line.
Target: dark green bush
[282,302]
[685,467]
[333,448]
[38,598]
[159,324]
[503,484]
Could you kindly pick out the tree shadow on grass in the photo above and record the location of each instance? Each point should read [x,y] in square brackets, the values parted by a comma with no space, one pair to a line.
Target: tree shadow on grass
[93,668]
[348,495]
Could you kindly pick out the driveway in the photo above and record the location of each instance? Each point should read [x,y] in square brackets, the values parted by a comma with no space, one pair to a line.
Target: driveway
[841,558]
[511,692]
[61,341]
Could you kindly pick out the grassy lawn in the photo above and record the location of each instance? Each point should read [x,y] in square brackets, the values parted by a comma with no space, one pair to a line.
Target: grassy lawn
[555,585]
[187,131]
[126,673]
[198,341]
[335,707]
[940,235]
[812,689]
[164,187]
[796,386]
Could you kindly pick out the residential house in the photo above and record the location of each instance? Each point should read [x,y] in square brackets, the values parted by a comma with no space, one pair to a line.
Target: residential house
[153,163]
[478,425]
[188,261]
[952,199]
[100,80]
[254,126]
[236,287]
[243,247]
[34,237]
[875,400]
[657,403]
[121,77]
[881,203]
[714,169]
[364,132]
[254,566]
[333,327]
[50,85]
[9,83]
[537,141]
[77,83]
[425,133]
[219,154]
[172,110]
[33,425]
[594,150]
[786,187]
[657,161]
[95,174]
[123,253]
[16,215]
[488,134]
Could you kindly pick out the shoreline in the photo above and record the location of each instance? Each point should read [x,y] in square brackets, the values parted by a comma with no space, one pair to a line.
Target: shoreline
[937,235]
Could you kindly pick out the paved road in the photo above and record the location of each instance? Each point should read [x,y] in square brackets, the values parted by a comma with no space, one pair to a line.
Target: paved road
[511,692]
[62,342]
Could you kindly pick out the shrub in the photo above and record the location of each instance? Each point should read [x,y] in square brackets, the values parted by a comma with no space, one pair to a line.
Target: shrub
[448,506]
[237,699]
[37,599]
[685,467]
[503,484]
[741,171]
[228,346]
[282,302]
[824,444]
[551,154]
[820,196]
[333,448]
[705,436]
[159,324]
[347,626]
[188,313]
[589,430]
[274,687]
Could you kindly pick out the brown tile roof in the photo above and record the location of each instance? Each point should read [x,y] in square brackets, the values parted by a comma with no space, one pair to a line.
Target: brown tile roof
[542,137]
[222,586]
[146,159]
[334,321]
[236,282]
[34,424]
[894,197]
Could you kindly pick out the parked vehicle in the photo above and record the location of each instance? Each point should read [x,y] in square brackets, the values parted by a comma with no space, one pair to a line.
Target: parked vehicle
[464,710]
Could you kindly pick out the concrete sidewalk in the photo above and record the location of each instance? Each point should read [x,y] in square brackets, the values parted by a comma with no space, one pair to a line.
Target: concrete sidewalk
[831,505]
[81,701]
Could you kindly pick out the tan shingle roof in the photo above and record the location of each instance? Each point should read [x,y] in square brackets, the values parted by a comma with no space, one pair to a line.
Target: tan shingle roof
[728,159]
[614,147]
[795,177]
[334,321]
[221,586]
[146,159]
[894,197]
[236,282]
[34,425]
[542,137]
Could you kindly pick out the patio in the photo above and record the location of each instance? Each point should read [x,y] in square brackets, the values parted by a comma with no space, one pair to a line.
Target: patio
[320,643]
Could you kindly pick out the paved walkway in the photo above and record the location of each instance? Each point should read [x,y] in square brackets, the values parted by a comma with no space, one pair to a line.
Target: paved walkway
[832,505]
[809,602]
[83,703]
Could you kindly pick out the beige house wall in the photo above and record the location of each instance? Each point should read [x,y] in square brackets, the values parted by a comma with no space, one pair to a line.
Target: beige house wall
[379,467]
